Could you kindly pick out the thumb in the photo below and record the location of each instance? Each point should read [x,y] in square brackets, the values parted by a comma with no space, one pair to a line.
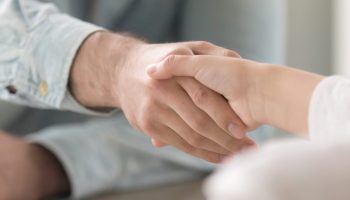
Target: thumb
[174,65]
[156,71]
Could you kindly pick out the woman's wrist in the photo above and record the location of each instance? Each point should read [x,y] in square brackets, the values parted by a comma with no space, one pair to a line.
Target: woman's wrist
[283,96]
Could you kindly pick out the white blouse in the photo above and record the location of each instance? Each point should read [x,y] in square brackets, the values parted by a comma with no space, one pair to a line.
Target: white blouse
[296,170]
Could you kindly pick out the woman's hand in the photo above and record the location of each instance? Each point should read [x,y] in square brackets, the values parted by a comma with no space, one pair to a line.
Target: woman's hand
[230,77]
[259,93]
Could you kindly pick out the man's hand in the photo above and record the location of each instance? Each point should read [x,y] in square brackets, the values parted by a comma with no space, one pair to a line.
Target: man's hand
[233,78]
[109,71]
[28,171]
[260,93]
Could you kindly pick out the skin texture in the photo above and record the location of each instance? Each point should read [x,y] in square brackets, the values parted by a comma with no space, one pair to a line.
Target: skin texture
[29,171]
[259,93]
[109,72]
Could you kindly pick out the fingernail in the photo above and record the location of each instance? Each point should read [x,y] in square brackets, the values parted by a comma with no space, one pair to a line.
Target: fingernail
[151,69]
[236,131]
[156,143]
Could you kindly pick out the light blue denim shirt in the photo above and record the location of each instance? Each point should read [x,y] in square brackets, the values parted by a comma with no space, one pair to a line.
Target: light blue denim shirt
[37,48]
[38,44]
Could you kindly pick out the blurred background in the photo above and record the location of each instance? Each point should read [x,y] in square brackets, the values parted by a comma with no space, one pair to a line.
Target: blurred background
[309,35]
[318,35]
[313,35]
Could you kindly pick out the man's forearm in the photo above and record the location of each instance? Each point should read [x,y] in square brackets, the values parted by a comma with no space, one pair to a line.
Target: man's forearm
[95,70]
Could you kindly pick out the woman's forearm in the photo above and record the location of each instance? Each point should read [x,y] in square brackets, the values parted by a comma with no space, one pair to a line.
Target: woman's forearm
[286,95]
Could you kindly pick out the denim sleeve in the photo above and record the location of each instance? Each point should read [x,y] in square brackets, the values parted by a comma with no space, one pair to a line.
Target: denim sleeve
[37,47]
[102,155]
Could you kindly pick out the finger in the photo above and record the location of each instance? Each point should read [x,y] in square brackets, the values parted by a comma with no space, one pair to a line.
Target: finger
[215,105]
[211,71]
[207,48]
[198,120]
[174,121]
[157,143]
[175,65]
[168,136]
[250,144]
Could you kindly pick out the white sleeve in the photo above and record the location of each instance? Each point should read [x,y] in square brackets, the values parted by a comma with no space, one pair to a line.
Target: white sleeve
[329,114]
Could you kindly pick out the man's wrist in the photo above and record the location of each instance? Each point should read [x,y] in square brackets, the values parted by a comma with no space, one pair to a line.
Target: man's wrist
[95,72]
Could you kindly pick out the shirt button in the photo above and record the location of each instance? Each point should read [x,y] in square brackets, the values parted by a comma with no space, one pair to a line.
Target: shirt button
[11,89]
[43,88]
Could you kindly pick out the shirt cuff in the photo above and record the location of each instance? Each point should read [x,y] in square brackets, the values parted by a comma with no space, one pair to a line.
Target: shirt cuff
[69,103]
[67,36]
[49,51]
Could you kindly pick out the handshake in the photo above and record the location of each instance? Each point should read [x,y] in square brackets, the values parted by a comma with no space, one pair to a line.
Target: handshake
[195,96]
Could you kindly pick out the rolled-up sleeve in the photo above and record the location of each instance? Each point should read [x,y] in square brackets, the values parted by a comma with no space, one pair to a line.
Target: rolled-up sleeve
[37,47]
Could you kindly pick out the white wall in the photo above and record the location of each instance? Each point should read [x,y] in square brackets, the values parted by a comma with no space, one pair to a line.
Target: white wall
[309,35]
[341,25]
[254,28]
[295,32]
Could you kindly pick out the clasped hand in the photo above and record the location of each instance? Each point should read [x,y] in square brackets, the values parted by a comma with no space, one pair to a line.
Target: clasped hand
[233,78]
[178,111]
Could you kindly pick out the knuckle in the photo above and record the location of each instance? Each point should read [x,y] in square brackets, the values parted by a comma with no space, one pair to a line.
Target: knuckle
[149,106]
[187,148]
[146,125]
[229,53]
[134,124]
[152,84]
[146,121]
[157,88]
[200,96]
[214,159]
[170,60]
[180,50]
[204,44]
[196,140]
[199,124]
[230,144]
